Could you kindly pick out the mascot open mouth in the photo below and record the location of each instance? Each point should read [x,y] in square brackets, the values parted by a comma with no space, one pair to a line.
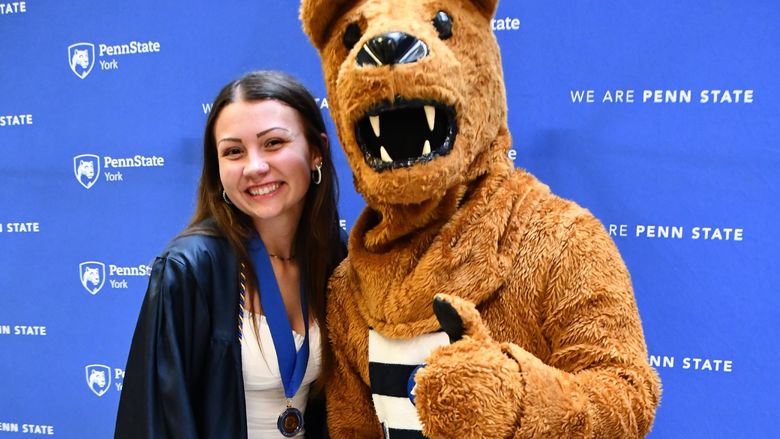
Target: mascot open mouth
[402,133]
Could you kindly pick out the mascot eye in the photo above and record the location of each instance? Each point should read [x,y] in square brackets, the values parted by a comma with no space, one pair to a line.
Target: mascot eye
[351,36]
[443,24]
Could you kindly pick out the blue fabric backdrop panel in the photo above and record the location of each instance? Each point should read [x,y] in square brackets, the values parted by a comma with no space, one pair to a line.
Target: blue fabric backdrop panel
[659,117]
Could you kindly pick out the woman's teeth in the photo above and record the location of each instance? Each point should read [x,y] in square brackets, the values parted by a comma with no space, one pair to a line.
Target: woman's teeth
[263,190]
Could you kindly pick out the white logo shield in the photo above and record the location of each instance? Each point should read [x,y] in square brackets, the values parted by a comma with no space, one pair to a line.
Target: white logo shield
[81,58]
[92,275]
[86,167]
[98,378]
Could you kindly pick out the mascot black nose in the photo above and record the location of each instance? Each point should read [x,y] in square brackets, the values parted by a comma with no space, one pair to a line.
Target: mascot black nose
[391,48]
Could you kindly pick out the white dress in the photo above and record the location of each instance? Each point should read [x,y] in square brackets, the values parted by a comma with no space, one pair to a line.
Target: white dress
[263,389]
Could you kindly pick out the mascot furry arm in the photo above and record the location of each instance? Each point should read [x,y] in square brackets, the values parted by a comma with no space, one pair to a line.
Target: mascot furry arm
[542,337]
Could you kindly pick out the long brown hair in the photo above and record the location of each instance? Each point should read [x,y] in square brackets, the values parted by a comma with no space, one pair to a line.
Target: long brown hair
[317,246]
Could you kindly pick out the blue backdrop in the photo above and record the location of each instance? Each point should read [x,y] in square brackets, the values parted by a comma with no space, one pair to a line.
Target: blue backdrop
[660,117]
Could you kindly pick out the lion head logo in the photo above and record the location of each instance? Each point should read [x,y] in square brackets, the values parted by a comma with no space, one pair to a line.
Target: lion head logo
[81,58]
[93,276]
[86,167]
[98,378]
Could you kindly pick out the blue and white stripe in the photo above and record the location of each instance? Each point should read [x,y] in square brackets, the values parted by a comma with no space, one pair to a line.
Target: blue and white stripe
[390,364]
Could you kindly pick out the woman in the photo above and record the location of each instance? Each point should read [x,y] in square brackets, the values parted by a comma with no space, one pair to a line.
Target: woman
[231,333]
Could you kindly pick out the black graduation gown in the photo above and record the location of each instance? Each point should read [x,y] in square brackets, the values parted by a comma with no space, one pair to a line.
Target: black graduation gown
[183,377]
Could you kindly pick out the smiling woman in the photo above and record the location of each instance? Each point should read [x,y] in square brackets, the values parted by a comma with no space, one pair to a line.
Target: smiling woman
[265,163]
[231,336]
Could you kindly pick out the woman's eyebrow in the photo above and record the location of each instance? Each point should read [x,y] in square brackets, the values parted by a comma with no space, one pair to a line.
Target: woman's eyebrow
[232,139]
[261,133]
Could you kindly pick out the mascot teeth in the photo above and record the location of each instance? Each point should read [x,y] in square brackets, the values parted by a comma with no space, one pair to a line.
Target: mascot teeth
[385,156]
[430,115]
[405,125]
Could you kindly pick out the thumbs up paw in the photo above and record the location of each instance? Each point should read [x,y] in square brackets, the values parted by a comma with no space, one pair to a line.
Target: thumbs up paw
[469,389]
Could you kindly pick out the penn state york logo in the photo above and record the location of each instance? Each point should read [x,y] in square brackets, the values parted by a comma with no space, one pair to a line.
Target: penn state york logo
[98,378]
[93,276]
[87,169]
[81,58]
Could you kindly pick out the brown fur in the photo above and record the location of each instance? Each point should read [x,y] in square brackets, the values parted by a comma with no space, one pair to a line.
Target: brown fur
[556,347]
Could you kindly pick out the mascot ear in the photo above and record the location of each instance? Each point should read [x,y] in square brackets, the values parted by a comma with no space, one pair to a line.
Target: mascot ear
[317,17]
[487,7]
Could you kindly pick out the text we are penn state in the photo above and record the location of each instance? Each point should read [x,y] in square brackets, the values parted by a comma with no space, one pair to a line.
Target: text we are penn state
[37,429]
[704,233]
[13,8]
[663,96]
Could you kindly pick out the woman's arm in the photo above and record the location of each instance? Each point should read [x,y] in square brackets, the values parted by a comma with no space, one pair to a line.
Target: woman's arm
[163,361]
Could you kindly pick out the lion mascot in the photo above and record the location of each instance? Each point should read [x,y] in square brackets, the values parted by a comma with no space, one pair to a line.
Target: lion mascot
[474,302]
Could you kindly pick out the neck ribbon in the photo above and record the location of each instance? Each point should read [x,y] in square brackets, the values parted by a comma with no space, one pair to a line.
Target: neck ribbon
[292,364]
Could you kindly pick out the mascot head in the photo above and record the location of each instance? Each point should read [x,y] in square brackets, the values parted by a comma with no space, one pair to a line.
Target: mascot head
[416,91]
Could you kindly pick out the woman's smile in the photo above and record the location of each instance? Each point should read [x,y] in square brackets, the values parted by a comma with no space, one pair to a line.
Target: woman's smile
[266,190]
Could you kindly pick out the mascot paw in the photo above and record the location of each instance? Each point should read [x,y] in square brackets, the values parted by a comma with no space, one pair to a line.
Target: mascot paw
[469,389]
